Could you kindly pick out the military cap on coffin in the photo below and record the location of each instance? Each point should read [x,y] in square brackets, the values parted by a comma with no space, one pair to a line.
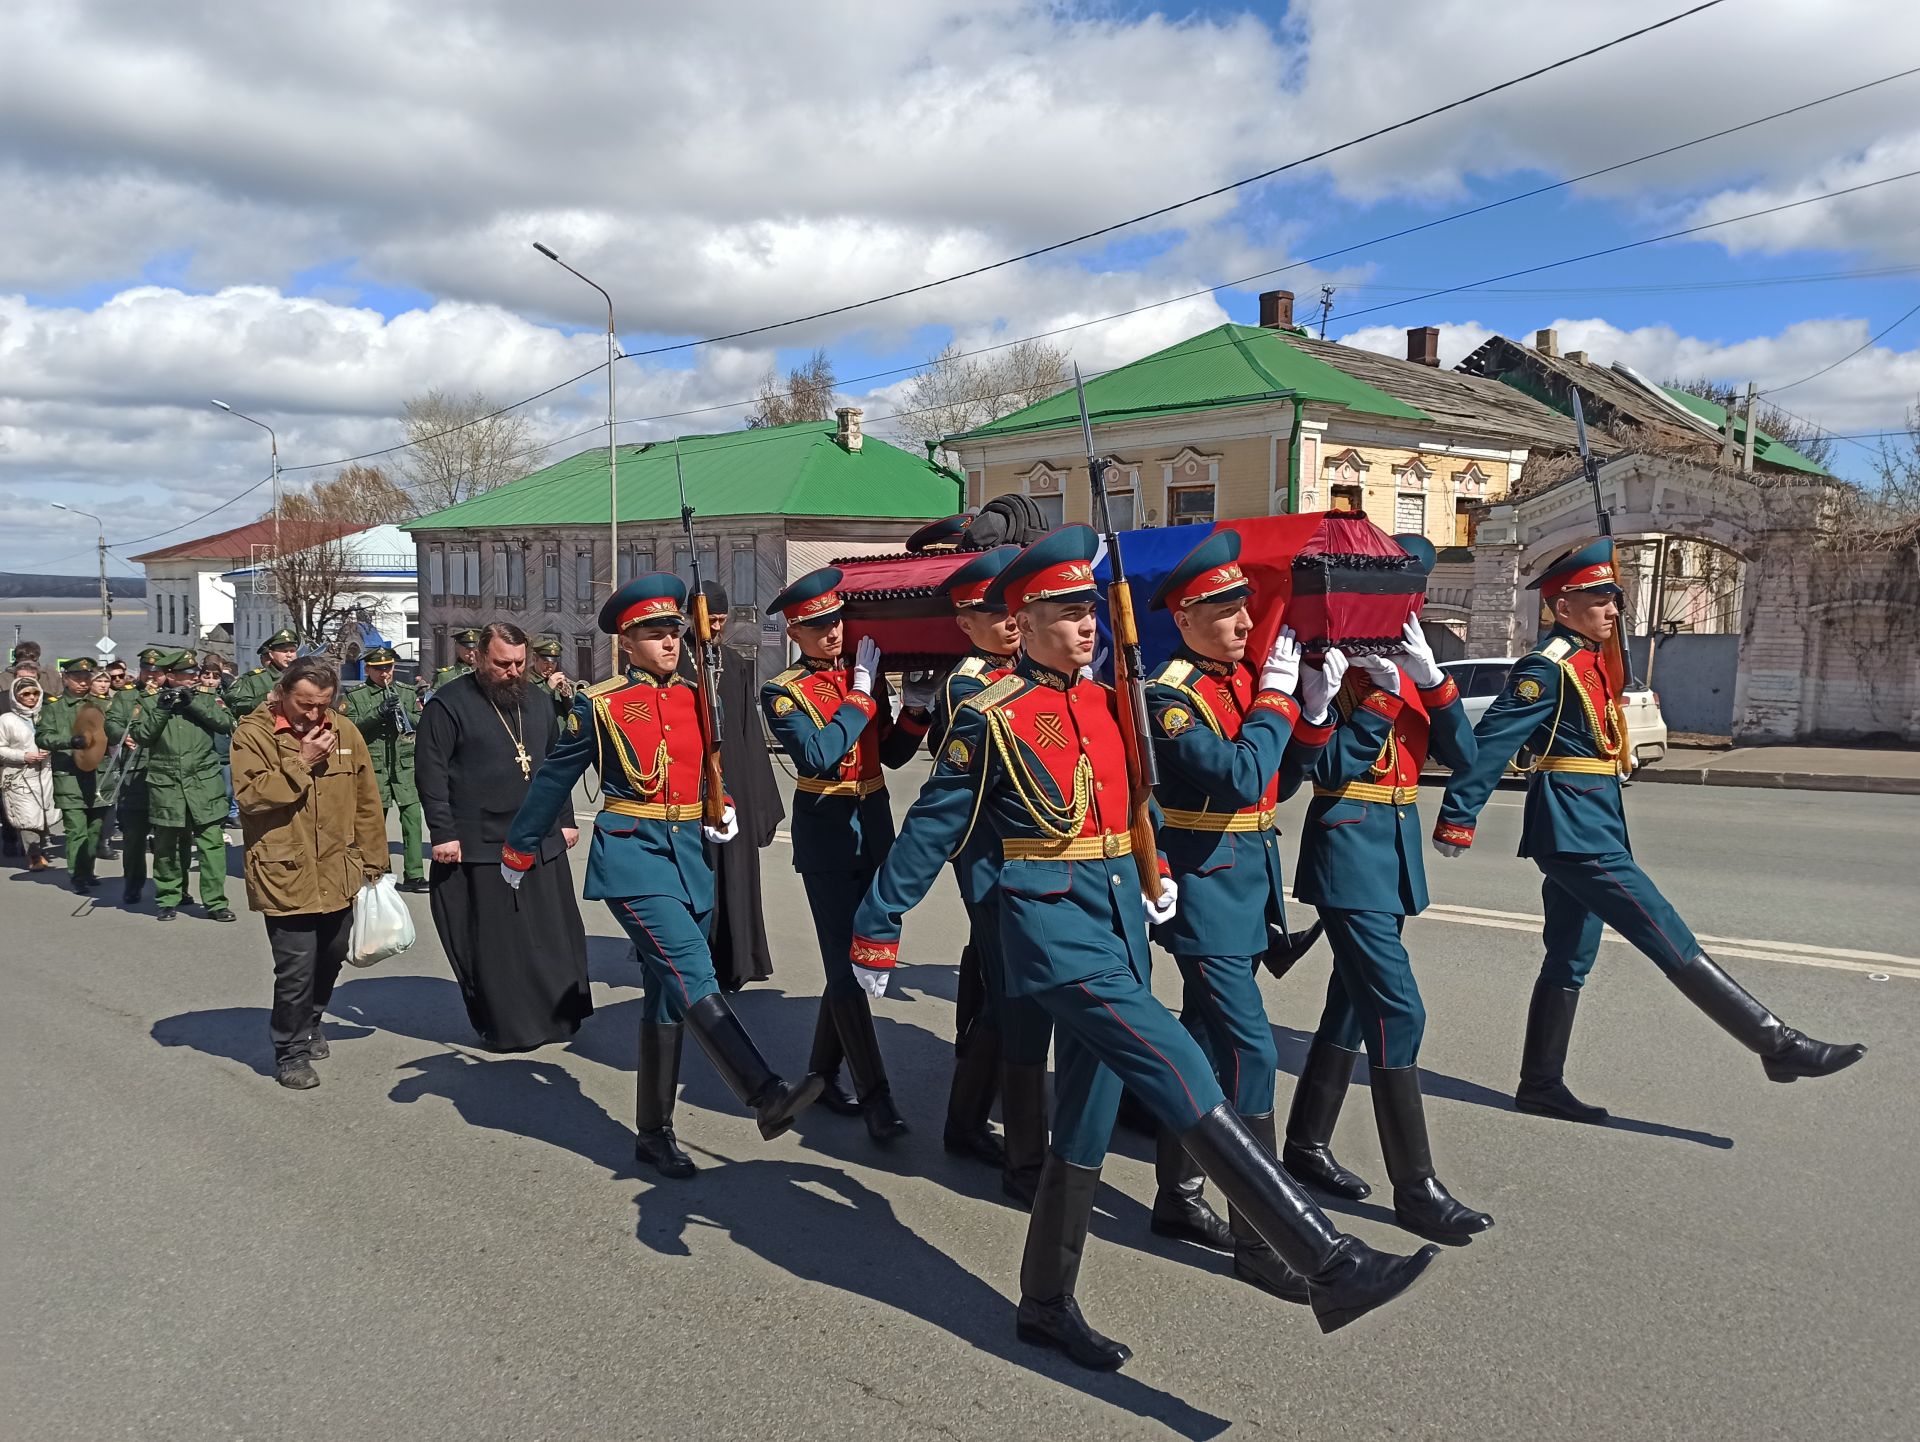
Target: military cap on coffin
[1590,568]
[944,534]
[649,600]
[1057,567]
[1210,572]
[1419,550]
[811,600]
[967,587]
[381,656]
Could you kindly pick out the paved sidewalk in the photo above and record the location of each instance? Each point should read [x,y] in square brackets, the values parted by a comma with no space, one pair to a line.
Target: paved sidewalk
[1806,768]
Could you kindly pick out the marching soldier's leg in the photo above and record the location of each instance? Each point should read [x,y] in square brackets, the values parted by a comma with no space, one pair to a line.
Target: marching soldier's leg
[210,841]
[411,859]
[976,1064]
[824,1062]
[1049,1315]
[834,896]
[1620,893]
[1571,935]
[1026,1035]
[672,945]
[170,844]
[1138,1039]
[1319,1094]
[134,840]
[73,831]
[656,1079]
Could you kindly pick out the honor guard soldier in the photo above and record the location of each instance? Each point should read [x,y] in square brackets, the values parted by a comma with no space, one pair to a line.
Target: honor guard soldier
[58,730]
[1003,1040]
[186,794]
[1560,704]
[1221,779]
[546,670]
[641,731]
[136,827]
[466,647]
[387,717]
[837,728]
[1039,758]
[249,690]
[1360,864]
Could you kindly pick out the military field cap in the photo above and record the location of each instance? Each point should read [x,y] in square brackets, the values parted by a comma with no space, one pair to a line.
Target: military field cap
[282,637]
[174,661]
[967,587]
[811,600]
[548,646]
[1590,568]
[1057,567]
[151,656]
[1209,572]
[649,600]
[381,656]
[77,666]
[469,637]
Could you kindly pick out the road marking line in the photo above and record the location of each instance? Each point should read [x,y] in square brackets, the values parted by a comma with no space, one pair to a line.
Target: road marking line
[1794,953]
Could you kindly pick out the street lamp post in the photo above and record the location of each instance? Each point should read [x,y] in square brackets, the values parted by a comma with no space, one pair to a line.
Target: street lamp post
[613,455]
[100,538]
[274,441]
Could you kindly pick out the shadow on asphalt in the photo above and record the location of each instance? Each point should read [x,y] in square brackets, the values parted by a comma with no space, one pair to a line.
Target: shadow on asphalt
[237,1033]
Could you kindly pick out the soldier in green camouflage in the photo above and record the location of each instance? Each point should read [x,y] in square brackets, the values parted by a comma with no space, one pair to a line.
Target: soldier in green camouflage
[466,646]
[186,796]
[549,677]
[73,788]
[387,716]
[276,654]
[135,825]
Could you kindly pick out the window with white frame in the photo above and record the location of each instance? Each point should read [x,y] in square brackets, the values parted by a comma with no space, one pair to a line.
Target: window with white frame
[1409,513]
[1123,496]
[437,572]
[1192,482]
[1048,488]
[1190,506]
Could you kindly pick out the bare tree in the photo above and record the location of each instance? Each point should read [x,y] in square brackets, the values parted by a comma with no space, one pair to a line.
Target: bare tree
[311,575]
[458,448]
[1812,442]
[362,495]
[805,395]
[959,392]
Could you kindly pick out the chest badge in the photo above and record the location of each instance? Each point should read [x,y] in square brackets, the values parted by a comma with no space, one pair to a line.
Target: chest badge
[1049,731]
[1176,720]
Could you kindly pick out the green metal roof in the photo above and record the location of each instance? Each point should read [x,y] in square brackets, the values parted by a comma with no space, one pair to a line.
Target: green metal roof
[1227,366]
[796,470]
[1765,447]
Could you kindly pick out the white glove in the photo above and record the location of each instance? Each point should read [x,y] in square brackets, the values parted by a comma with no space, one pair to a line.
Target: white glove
[1447,848]
[1281,670]
[873,983]
[1319,685]
[510,876]
[1382,672]
[728,828]
[1417,656]
[866,661]
[1160,912]
[918,695]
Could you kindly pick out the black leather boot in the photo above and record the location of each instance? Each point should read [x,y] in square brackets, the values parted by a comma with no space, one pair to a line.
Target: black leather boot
[853,1017]
[1310,1120]
[1049,1316]
[775,1101]
[1286,950]
[1180,1207]
[1543,1060]
[1346,1278]
[1420,1203]
[1785,1054]
[1254,1262]
[1135,1117]
[976,1077]
[1023,1113]
[825,1064]
[654,1085]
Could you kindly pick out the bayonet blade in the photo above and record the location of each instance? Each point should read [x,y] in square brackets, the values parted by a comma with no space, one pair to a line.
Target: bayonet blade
[1086,422]
[1580,425]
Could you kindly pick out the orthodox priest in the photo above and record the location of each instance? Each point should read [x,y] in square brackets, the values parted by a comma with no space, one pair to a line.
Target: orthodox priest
[520,955]
[740,952]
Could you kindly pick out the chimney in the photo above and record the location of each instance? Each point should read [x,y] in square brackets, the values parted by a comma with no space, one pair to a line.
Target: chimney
[1423,345]
[847,434]
[1578,357]
[1546,342]
[1276,310]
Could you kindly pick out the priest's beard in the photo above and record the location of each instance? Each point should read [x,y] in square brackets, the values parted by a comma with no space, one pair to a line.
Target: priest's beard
[502,690]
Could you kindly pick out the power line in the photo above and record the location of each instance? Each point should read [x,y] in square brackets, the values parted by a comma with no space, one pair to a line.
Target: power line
[1870,342]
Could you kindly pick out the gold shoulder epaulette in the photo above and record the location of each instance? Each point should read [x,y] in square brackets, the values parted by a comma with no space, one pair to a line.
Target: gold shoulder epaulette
[786,677]
[607,687]
[1558,648]
[972,666]
[1174,673]
[988,697]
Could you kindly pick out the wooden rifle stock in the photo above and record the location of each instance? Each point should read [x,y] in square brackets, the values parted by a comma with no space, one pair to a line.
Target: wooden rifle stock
[713,797]
[1130,691]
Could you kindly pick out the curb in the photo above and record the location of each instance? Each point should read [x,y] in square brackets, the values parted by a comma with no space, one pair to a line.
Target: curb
[1780,780]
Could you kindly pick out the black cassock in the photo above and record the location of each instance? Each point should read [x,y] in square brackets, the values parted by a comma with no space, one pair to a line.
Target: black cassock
[740,953]
[520,956]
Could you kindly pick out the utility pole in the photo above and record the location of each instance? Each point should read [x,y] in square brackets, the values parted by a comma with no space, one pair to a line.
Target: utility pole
[100,541]
[1746,455]
[1326,308]
[274,442]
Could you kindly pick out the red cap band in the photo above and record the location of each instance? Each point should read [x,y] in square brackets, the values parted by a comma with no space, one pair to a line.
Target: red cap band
[1584,579]
[1069,578]
[1211,583]
[812,609]
[653,608]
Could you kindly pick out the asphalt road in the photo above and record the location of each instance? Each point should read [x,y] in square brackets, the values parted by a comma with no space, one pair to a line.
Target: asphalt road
[436,1244]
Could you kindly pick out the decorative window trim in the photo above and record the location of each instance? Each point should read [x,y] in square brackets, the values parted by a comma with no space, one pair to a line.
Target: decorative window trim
[1347,460]
[1413,475]
[1472,480]
[1044,480]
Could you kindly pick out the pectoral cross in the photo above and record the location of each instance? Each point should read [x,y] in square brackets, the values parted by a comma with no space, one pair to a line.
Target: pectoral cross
[526,761]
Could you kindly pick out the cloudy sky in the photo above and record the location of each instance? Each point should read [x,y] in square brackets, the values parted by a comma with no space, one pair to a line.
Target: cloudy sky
[317,211]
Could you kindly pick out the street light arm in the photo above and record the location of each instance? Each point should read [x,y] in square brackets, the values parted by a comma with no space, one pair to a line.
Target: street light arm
[262,424]
[549,254]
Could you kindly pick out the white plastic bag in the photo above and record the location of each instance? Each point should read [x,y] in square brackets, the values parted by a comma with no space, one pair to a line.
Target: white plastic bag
[382,925]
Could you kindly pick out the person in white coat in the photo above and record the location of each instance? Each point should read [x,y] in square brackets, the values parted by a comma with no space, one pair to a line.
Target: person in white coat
[26,781]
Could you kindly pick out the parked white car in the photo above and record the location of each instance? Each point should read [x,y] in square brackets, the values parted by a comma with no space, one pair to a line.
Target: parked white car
[1482,679]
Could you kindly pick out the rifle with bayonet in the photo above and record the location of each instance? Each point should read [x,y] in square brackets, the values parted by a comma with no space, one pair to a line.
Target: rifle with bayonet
[1614,652]
[706,665]
[1129,678]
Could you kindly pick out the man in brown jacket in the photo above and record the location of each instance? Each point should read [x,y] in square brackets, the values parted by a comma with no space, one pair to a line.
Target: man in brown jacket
[315,834]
